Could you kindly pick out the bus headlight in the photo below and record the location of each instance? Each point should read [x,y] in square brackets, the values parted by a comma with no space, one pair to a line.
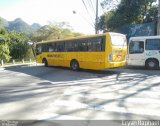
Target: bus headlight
[110,58]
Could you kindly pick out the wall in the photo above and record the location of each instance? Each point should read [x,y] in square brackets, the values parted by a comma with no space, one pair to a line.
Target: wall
[145,29]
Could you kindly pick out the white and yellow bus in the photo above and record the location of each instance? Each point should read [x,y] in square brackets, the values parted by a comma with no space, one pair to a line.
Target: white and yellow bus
[95,52]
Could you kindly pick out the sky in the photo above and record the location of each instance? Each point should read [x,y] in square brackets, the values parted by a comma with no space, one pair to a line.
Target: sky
[45,11]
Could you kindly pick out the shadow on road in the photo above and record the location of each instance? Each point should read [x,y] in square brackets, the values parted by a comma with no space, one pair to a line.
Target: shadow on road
[64,84]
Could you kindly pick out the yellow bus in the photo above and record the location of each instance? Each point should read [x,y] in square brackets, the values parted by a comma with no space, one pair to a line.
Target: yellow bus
[94,52]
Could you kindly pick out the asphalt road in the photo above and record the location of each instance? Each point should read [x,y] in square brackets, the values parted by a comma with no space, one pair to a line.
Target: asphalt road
[50,93]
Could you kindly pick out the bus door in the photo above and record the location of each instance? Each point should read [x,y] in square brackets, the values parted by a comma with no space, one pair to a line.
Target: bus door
[38,53]
[136,54]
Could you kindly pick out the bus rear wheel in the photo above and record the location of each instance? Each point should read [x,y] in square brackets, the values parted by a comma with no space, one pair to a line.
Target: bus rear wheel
[74,65]
[152,64]
[45,62]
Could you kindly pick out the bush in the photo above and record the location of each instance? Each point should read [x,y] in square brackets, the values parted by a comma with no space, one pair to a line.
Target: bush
[4,52]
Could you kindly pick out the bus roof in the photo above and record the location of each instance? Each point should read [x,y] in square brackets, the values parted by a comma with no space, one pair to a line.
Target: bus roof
[144,37]
[80,37]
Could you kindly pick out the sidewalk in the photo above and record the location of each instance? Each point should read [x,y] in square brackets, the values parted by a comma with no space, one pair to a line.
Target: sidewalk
[17,65]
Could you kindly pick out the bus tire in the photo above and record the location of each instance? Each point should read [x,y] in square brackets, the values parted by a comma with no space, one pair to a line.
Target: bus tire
[74,65]
[45,62]
[152,64]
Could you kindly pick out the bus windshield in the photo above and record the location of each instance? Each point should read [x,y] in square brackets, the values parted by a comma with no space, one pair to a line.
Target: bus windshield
[118,40]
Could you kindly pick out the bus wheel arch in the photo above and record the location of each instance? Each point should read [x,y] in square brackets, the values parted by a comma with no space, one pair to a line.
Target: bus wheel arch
[152,63]
[44,60]
[74,64]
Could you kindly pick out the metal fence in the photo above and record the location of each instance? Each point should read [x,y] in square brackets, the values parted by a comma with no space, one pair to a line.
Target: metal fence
[16,62]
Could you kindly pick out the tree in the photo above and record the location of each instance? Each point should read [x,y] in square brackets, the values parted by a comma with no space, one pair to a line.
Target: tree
[102,21]
[19,50]
[110,5]
[152,14]
[17,37]
[18,45]
[53,32]
[4,48]
[127,12]
[4,52]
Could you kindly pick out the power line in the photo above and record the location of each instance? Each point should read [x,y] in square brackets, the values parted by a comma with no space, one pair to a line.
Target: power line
[91,5]
[74,12]
[96,20]
[87,11]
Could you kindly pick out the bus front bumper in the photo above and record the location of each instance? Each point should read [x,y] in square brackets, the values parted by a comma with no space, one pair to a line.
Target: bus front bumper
[116,64]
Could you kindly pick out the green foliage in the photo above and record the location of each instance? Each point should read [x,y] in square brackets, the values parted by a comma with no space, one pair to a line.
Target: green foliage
[4,52]
[14,44]
[3,31]
[29,54]
[127,12]
[4,48]
[18,45]
[53,32]
[102,22]
[17,37]
[152,14]
[19,50]
[110,5]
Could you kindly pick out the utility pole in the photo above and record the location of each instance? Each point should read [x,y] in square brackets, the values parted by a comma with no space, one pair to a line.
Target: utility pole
[96,20]
[158,21]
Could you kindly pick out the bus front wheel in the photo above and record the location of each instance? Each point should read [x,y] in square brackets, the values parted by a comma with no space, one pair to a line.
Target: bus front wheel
[74,65]
[152,64]
[45,62]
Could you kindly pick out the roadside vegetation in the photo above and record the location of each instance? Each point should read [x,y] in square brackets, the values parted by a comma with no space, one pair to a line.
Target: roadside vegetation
[14,44]
[126,12]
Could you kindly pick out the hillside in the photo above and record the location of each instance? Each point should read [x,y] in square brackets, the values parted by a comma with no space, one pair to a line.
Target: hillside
[3,22]
[19,25]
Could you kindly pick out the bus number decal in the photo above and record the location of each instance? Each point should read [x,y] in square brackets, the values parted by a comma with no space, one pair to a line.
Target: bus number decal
[55,55]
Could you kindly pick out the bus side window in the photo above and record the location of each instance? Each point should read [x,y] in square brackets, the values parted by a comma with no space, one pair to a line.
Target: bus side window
[90,45]
[65,46]
[102,44]
[76,46]
[60,46]
[45,47]
[80,48]
[93,45]
[84,45]
[98,44]
[136,47]
[54,47]
[50,47]
[153,44]
[68,46]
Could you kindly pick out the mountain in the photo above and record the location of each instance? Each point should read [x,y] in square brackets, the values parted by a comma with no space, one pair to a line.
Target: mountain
[19,25]
[35,26]
[3,22]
